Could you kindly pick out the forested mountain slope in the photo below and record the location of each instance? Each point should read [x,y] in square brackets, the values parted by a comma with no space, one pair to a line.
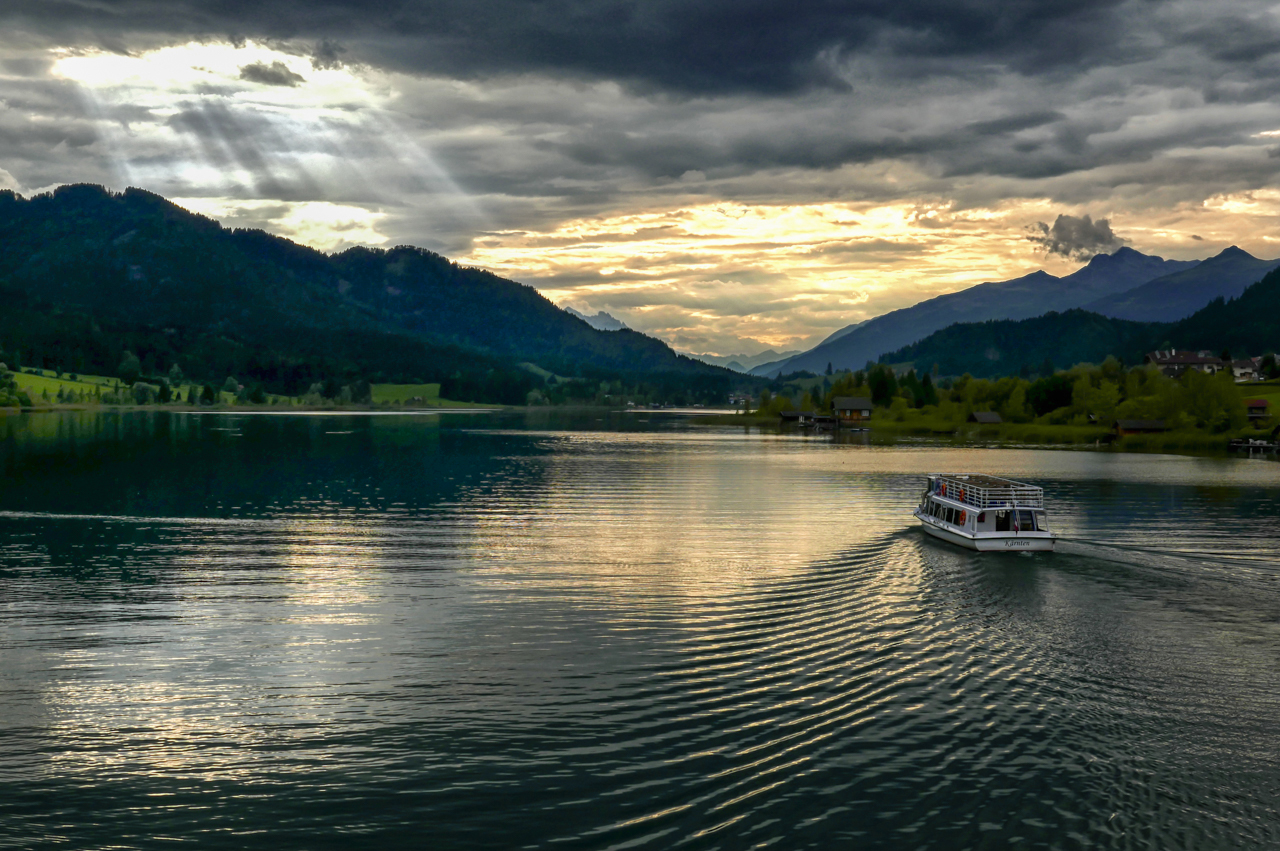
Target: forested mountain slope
[174,284]
[1010,347]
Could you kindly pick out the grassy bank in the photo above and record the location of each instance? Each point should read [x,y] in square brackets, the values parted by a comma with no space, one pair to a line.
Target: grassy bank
[888,429]
[48,391]
[417,396]
[83,390]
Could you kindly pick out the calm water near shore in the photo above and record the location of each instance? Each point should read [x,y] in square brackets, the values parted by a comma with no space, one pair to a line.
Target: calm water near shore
[619,631]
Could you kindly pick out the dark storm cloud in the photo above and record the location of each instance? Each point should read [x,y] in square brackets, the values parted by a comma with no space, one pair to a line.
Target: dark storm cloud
[685,45]
[327,55]
[811,86]
[275,74]
[1076,238]
[1234,39]
[745,146]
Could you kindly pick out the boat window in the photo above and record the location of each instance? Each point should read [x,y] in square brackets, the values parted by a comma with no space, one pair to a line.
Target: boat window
[951,516]
[1003,522]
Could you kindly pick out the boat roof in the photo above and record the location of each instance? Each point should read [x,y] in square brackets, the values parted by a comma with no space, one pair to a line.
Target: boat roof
[982,480]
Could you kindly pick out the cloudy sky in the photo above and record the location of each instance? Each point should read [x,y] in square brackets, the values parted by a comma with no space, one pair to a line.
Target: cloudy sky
[729,176]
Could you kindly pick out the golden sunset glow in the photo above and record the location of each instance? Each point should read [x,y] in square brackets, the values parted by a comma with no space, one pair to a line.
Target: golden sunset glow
[677,274]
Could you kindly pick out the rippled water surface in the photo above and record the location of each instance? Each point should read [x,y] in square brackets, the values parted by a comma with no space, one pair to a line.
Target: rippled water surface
[621,631]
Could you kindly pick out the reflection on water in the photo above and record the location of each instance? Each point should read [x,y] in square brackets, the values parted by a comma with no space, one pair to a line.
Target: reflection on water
[501,632]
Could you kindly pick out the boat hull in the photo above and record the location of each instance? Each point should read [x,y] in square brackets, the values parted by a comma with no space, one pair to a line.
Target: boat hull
[1032,542]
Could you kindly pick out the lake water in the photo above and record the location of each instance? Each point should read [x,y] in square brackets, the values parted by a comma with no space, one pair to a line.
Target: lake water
[623,631]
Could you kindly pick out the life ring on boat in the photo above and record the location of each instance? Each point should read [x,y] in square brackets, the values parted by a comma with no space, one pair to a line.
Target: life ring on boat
[962,517]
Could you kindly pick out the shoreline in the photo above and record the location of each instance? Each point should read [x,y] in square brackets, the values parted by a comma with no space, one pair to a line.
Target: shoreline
[465,407]
[1192,443]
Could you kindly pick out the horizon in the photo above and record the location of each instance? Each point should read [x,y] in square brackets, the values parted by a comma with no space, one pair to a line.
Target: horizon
[608,318]
[586,316]
[726,183]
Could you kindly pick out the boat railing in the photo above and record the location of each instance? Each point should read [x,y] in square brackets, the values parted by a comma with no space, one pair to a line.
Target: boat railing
[1005,496]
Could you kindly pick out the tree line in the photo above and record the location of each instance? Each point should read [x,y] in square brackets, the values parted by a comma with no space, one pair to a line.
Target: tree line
[1085,395]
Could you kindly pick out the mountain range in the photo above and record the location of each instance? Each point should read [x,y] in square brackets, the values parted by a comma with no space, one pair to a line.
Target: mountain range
[770,368]
[1124,285]
[1248,324]
[1180,294]
[601,321]
[85,273]
[744,363]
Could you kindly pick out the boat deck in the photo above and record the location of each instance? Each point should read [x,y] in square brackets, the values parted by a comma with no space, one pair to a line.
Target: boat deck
[982,491]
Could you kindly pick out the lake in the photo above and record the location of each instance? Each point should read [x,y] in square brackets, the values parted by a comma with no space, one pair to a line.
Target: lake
[619,631]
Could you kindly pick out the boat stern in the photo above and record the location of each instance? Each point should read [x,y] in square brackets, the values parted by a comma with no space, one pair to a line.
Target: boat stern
[1016,543]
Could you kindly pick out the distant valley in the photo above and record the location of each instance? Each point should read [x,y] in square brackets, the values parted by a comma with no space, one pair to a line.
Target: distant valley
[744,363]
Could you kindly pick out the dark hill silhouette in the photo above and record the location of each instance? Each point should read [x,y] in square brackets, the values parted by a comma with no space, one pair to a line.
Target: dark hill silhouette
[1007,346]
[1172,297]
[1020,298]
[141,265]
[1248,325]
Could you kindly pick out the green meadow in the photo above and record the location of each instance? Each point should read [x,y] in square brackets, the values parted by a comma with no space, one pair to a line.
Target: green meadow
[36,385]
[417,395]
[44,391]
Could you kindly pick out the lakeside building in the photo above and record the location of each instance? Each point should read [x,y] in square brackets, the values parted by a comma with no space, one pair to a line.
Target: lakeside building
[851,409]
[985,418]
[1257,409]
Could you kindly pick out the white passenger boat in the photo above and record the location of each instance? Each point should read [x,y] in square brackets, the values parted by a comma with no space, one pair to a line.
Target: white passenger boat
[985,513]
